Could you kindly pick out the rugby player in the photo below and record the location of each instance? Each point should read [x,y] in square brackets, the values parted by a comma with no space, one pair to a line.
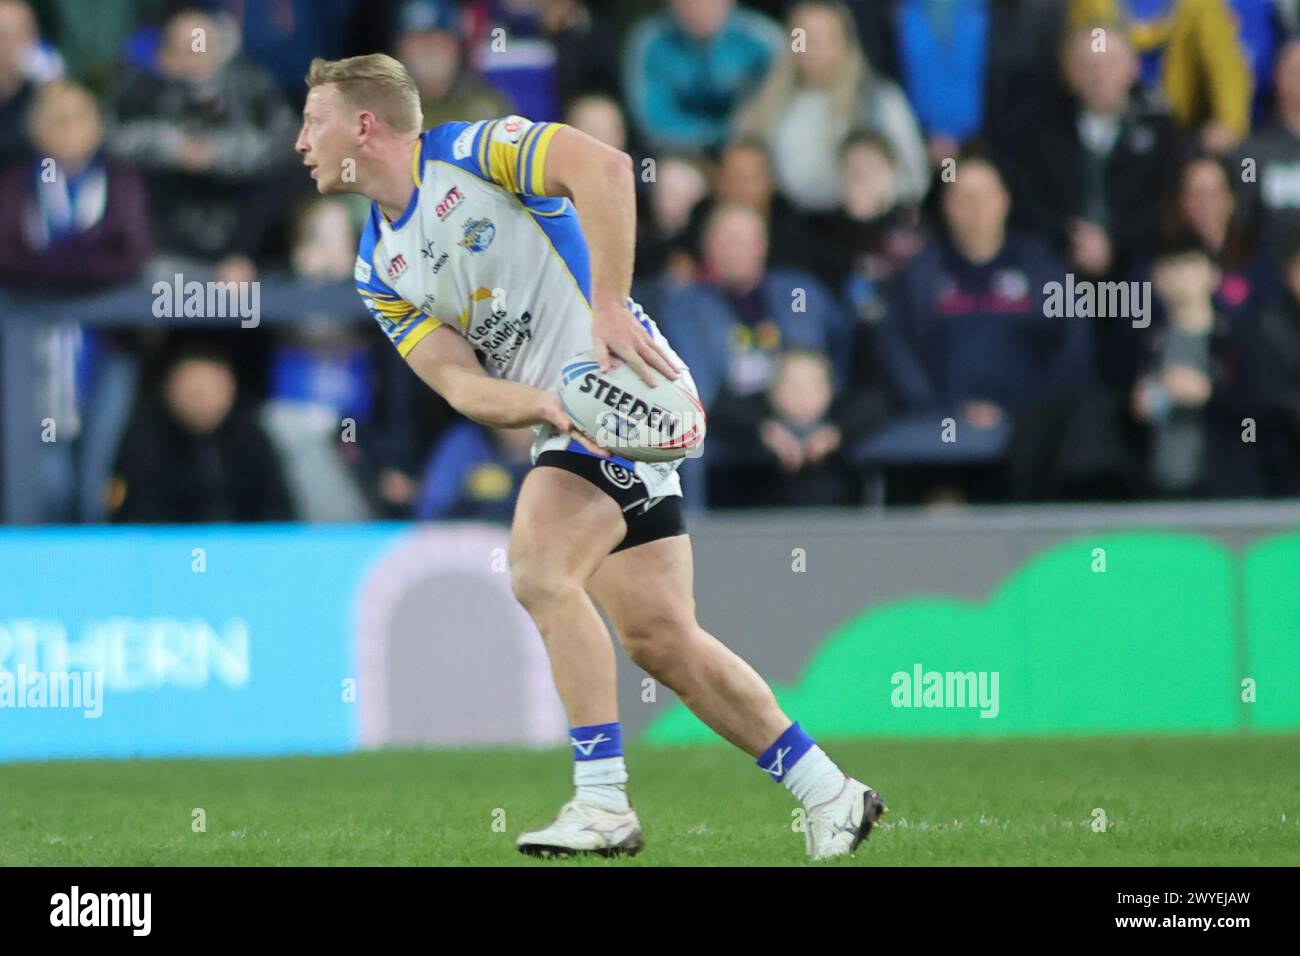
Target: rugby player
[474,248]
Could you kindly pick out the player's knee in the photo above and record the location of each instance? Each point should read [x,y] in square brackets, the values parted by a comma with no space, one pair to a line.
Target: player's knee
[536,582]
[657,640]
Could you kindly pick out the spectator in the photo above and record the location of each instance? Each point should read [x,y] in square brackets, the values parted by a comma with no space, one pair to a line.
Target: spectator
[216,138]
[802,434]
[943,49]
[1195,389]
[19,45]
[325,244]
[1271,194]
[968,66]
[542,53]
[690,67]
[1092,178]
[1191,49]
[78,220]
[75,222]
[667,190]
[871,235]
[811,99]
[282,36]
[665,246]
[744,175]
[475,473]
[966,334]
[321,378]
[598,115]
[731,326]
[429,45]
[862,247]
[195,452]
[1206,208]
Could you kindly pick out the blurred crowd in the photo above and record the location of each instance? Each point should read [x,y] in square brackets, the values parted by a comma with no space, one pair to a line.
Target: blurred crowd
[850,213]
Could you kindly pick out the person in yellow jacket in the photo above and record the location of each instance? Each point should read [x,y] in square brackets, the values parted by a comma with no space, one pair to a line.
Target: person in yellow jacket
[1195,47]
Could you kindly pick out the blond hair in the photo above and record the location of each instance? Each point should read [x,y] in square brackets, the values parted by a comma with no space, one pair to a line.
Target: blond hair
[778,89]
[375,82]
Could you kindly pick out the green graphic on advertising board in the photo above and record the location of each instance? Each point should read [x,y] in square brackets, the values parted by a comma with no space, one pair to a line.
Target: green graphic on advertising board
[1142,632]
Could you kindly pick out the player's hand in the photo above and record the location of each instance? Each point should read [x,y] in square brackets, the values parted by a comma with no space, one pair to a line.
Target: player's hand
[615,333]
[551,412]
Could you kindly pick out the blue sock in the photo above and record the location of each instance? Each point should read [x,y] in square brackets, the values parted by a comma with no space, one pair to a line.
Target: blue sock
[802,767]
[597,741]
[599,771]
[785,753]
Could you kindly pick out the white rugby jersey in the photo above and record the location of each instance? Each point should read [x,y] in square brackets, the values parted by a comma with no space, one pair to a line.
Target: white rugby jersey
[481,248]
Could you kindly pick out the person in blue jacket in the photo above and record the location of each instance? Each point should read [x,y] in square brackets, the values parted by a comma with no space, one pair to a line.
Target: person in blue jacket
[689,68]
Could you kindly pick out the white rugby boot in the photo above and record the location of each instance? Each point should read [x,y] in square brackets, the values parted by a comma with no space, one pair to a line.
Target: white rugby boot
[585,828]
[839,825]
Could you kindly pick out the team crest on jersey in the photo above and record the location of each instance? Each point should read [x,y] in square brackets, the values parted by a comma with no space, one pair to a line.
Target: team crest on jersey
[449,202]
[396,266]
[479,234]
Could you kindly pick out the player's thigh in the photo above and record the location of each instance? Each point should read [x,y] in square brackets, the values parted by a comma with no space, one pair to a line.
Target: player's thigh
[648,593]
[563,527]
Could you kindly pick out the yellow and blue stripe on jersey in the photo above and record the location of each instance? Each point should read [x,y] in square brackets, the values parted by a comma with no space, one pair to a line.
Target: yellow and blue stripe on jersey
[403,323]
[511,154]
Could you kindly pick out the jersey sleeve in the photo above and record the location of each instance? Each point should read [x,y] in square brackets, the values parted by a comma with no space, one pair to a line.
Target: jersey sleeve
[403,323]
[510,152]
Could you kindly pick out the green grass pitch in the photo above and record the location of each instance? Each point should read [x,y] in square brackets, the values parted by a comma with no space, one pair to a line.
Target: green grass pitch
[1166,800]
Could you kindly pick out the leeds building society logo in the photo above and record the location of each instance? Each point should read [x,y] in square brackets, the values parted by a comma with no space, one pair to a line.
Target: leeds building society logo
[479,234]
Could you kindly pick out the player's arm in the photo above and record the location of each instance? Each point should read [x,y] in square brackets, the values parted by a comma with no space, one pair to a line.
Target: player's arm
[448,365]
[600,182]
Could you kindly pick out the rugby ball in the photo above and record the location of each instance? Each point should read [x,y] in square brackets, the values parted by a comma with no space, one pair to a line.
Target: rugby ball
[620,412]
